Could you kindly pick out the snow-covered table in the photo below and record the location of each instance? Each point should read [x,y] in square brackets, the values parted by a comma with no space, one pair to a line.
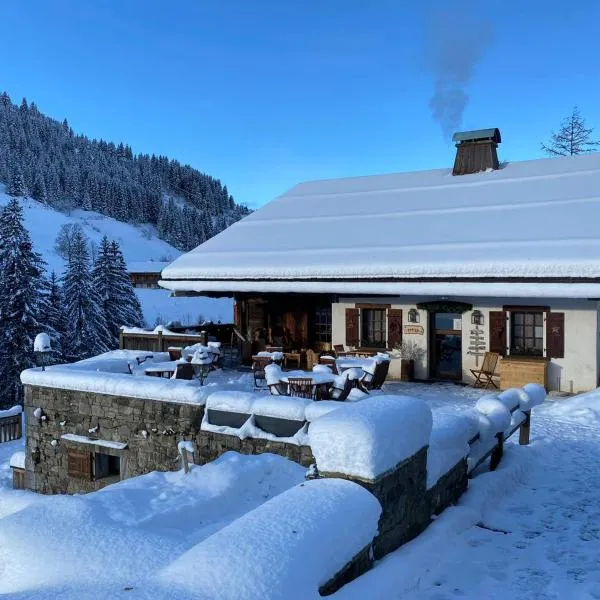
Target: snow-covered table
[352,363]
[320,381]
[163,369]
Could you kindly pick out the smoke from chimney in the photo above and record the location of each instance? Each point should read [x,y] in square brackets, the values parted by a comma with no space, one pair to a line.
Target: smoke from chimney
[455,41]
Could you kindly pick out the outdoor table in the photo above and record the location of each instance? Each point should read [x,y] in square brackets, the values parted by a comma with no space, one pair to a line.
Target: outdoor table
[319,380]
[295,356]
[163,369]
[352,363]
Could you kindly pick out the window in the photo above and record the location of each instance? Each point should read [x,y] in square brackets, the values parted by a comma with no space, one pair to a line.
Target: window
[106,466]
[527,333]
[373,328]
[323,324]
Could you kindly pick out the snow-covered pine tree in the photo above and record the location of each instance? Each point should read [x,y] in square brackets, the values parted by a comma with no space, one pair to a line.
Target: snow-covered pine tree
[87,331]
[21,301]
[129,310]
[16,183]
[53,317]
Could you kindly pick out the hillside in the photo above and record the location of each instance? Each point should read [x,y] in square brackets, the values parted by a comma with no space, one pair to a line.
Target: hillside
[138,242]
[44,159]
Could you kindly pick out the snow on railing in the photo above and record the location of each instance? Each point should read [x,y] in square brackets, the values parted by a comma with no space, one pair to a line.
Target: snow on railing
[11,427]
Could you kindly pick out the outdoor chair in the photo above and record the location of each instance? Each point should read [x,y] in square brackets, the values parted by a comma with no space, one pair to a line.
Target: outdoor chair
[376,379]
[201,371]
[174,352]
[277,389]
[339,350]
[301,387]
[258,370]
[329,361]
[342,394]
[184,371]
[483,376]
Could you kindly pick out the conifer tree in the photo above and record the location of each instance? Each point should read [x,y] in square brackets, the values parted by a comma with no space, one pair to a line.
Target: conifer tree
[21,301]
[53,317]
[87,331]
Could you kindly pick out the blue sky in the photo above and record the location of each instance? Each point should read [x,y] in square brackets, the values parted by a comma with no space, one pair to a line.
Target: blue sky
[264,94]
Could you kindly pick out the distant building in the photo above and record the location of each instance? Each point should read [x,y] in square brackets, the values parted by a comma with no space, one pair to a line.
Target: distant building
[145,274]
[484,257]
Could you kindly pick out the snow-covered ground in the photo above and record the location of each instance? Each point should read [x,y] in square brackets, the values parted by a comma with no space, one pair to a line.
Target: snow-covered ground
[138,243]
[530,530]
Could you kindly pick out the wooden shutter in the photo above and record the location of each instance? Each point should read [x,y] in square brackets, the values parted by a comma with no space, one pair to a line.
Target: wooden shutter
[394,327]
[79,464]
[498,332]
[352,327]
[555,335]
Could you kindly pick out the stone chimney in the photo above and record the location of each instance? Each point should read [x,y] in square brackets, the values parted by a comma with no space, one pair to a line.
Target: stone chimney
[476,151]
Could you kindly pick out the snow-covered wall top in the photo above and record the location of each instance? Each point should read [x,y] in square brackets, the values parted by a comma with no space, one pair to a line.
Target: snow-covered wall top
[276,551]
[366,439]
[528,219]
[117,384]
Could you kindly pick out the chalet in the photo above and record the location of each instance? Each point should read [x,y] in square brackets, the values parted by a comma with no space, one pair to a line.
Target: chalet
[145,274]
[481,257]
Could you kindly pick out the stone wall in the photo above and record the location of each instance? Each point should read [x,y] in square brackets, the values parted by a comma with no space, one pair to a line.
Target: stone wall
[150,428]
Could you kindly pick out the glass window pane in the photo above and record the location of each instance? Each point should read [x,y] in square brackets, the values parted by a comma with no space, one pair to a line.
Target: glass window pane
[528,319]
[518,318]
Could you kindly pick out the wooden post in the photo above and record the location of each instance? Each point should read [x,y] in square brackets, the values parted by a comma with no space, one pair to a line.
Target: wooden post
[497,452]
[525,429]
[184,458]
[160,342]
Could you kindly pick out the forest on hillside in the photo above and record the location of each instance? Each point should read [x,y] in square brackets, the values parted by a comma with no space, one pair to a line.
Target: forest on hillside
[43,158]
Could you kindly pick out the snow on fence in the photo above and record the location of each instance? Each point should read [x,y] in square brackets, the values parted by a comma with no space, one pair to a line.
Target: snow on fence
[158,340]
[11,427]
[277,551]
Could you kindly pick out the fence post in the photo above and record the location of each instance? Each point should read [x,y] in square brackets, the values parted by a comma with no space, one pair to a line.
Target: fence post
[525,429]
[497,452]
[121,344]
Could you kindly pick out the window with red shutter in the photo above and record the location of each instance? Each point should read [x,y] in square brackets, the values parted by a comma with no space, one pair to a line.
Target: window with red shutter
[352,327]
[555,335]
[498,332]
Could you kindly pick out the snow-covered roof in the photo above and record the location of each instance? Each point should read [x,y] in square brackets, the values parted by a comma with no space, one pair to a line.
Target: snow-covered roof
[532,219]
[149,266]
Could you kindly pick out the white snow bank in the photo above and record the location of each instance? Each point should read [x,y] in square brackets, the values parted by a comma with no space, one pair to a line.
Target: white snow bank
[448,444]
[11,412]
[117,384]
[17,460]
[536,394]
[283,407]
[231,401]
[365,439]
[277,550]
[318,409]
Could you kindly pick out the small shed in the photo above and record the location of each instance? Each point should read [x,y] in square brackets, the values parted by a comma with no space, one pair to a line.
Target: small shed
[17,465]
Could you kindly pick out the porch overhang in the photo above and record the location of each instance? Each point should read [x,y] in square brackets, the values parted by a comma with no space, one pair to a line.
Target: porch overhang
[518,288]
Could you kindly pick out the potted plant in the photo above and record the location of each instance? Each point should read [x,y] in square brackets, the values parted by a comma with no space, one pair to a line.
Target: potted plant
[408,352]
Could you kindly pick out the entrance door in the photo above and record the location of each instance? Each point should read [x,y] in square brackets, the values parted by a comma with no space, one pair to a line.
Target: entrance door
[446,345]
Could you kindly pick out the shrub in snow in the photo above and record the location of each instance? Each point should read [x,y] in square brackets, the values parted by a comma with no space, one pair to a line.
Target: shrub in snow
[536,395]
[276,551]
[366,439]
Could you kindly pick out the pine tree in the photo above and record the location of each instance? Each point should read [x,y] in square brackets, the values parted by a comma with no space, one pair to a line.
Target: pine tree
[572,138]
[21,301]
[87,332]
[16,184]
[53,317]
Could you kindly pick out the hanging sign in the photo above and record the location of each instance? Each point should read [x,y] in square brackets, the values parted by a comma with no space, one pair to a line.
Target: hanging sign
[414,330]
[457,324]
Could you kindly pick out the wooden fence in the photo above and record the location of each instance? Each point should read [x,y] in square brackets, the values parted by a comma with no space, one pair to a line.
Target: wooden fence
[10,428]
[495,454]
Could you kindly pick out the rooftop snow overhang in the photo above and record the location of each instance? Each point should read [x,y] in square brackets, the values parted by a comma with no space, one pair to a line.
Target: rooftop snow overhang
[520,288]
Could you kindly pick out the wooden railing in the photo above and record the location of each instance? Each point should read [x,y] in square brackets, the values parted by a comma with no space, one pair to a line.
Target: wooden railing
[10,428]
[497,451]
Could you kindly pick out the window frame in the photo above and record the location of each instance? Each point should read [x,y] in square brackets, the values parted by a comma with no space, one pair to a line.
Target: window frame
[528,347]
[323,324]
[110,472]
[371,342]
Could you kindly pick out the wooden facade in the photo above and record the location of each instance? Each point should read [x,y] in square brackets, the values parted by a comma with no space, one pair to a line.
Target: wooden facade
[289,321]
[145,280]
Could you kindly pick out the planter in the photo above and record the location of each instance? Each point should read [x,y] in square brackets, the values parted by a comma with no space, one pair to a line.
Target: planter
[407,370]
[226,418]
[277,426]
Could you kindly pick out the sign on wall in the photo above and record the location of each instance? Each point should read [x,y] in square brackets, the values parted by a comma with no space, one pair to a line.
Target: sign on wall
[414,329]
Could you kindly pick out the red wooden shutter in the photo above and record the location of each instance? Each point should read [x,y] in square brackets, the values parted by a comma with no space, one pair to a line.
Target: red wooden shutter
[498,332]
[555,335]
[394,327]
[352,327]
[79,464]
